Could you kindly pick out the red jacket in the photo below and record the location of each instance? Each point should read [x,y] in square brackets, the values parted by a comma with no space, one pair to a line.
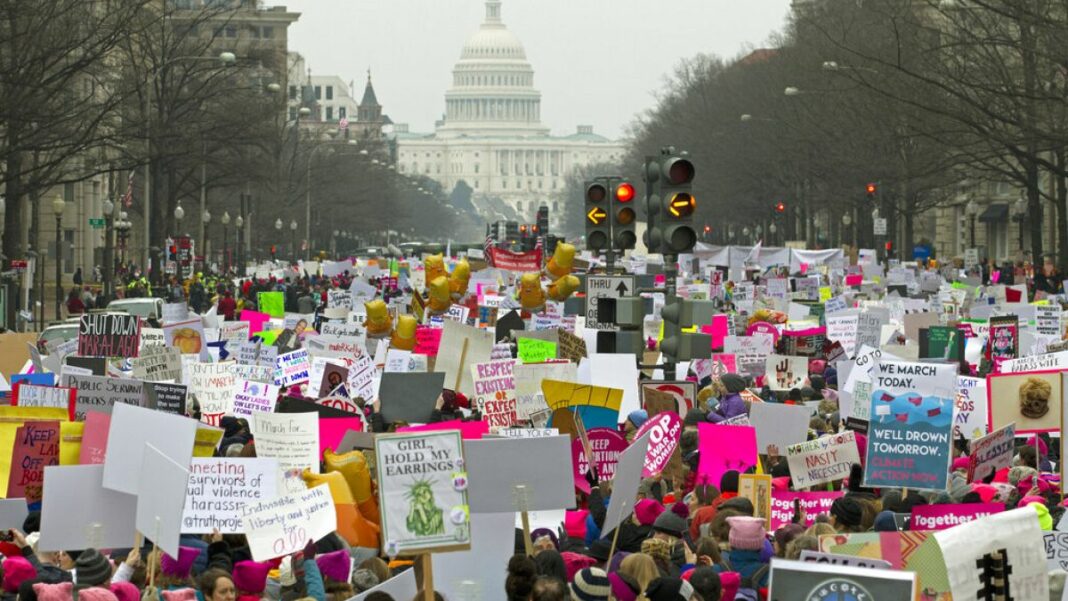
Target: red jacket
[227,307]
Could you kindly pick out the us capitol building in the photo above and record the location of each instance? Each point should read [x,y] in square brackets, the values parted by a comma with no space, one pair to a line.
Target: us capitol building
[492,137]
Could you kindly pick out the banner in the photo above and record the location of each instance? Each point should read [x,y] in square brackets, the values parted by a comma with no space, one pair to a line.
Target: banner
[825,459]
[813,504]
[494,386]
[284,525]
[109,335]
[220,488]
[507,260]
[940,517]
[911,427]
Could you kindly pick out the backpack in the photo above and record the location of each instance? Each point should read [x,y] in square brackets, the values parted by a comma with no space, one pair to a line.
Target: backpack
[751,585]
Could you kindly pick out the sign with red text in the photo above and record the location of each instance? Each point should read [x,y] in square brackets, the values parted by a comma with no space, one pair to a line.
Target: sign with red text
[36,446]
[495,397]
[825,459]
[109,335]
[992,453]
[284,525]
[664,429]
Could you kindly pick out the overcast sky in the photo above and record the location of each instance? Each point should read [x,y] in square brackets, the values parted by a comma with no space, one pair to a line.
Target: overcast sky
[595,62]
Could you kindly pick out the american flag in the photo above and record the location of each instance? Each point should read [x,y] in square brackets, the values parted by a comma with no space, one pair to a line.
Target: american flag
[127,198]
[487,245]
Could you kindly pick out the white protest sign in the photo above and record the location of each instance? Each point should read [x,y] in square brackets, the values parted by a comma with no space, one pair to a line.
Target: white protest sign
[538,474]
[175,312]
[338,299]
[757,344]
[617,370]
[844,560]
[1049,361]
[78,513]
[284,525]
[13,513]
[528,378]
[212,385]
[160,497]
[31,395]
[402,586]
[292,368]
[784,372]
[494,386]
[969,411]
[101,393]
[525,432]
[991,453]
[131,428]
[779,425]
[254,352]
[343,329]
[825,459]
[397,361]
[625,484]
[253,397]
[220,487]
[479,573]
[363,378]
[291,438]
[158,364]
[843,329]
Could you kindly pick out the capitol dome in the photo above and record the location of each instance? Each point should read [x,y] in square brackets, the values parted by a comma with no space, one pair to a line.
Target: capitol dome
[493,89]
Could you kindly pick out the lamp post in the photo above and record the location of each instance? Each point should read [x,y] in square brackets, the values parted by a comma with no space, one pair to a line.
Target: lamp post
[972,209]
[58,206]
[846,220]
[771,231]
[109,248]
[122,229]
[333,244]
[205,219]
[225,255]
[1019,209]
[293,238]
[239,223]
[278,228]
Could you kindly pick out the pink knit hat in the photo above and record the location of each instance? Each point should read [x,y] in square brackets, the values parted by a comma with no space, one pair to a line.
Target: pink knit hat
[251,576]
[16,571]
[646,510]
[180,594]
[53,592]
[575,523]
[182,566]
[1043,450]
[961,463]
[336,565]
[747,533]
[124,591]
[986,492]
[1024,502]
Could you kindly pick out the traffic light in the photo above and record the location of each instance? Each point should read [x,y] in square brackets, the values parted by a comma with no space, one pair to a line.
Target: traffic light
[780,207]
[172,251]
[542,226]
[673,202]
[871,189]
[624,218]
[273,250]
[596,216]
[682,313]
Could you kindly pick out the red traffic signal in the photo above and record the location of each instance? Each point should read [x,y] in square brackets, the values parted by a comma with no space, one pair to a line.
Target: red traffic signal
[708,229]
[780,207]
[624,192]
[871,189]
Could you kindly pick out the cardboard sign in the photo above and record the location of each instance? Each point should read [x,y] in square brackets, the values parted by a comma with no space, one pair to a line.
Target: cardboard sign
[97,393]
[779,425]
[992,453]
[158,363]
[839,581]
[826,459]
[665,431]
[219,489]
[188,337]
[571,347]
[494,387]
[1031,400]
[625,486]
[212,384]
[291,438]
[133,427]
[161,491]
[422,492]
[36,446]
[109,335]
[284,524]
[410,397]
[462,346]
[911,428]
[757,488]
[813,504]
[785,371]
[292,368]
[100,519]
[253,397]
[30,395]
[539,465]
[723,449]
[940,517]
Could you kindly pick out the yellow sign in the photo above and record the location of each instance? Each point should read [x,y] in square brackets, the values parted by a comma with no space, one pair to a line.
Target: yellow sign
[596,215]
[571,394]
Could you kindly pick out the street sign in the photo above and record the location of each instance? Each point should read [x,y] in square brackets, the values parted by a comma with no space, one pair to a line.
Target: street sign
[96,223]
[880,226]
[971,258]
[601,286]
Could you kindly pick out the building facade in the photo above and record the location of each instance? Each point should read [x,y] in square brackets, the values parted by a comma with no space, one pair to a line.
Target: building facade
[492,137]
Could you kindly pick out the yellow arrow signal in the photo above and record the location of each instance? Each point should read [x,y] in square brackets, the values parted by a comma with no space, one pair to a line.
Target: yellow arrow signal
[596,215]
[682,205]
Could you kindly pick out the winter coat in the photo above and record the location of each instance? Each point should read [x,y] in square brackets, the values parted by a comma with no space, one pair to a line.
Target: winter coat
[730,406]
[747,563]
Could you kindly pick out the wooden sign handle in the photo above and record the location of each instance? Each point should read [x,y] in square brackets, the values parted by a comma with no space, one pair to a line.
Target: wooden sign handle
[460,370]
[424,565]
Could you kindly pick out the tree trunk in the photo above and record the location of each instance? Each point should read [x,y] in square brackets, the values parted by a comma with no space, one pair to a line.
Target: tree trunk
[1062,211]
[12,246]
[1034,211]
[909,241]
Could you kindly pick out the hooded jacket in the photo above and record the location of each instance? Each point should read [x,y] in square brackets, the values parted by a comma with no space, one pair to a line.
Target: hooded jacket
[730,406]
[746,563]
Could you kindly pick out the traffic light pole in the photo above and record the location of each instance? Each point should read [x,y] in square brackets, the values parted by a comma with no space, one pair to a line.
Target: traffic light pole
[671,273]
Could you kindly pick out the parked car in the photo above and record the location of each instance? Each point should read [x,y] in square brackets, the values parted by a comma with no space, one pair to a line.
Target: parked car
[59,332]
[149,309]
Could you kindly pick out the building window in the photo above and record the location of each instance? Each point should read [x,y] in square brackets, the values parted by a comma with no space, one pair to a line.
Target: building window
[476,167]
[231,31]
[329,92]
[268,32]
[476,184]
[329,113]
[504,184]
[539,184]
[292,92]
[318,92]
[341,112]
[292,113]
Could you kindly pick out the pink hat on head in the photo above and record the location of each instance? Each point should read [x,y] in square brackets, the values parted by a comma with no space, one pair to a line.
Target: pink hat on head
[1043,450]
[251,576]
[124,591]
[181,567]
[647,511]
[575,523]
[747,533]
[986,492]
[1001,475]
[336,565]
[16,571]
[961,463]
[780,483]
[1024,502]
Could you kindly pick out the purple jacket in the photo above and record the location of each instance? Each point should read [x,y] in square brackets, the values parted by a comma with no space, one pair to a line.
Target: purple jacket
[730,406]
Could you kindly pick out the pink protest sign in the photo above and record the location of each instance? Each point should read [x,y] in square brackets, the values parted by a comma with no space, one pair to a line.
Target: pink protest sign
[665,428]
[718,329]
[941,517]
[427,341]
[723,449]
[854,280]
[94,438]
[255,320]
[333,429]
[607,445]
[724,363]
[468,430]
[763,327]
[813,504]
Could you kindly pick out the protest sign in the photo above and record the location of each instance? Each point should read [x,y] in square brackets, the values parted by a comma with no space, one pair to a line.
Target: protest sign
[1031,400]
[100,393]
[1004,339]
[843,329]
[94,438]
[1056,550]
[292,368]
[100,518]
[606,445]
[991,453]
[362,378]
[331,375]
[130,429]
[494,387]
[597,406]
[173,312]
[169,398]
[785,371]
[665,430]
[528,379]
[942,516]
[724,449]
[253,397]
[284,524]
[422,492]
[757,344]
[571,347]
[681,396]
[826,459]
[30,395]
[757,488]
[779,425]
[838,582]
[254,352]
[1011,539]
[535,351]
[617,370]
[462,346]
[188,337]
[401,586]
[1044,362]
[910,433]
[109,335]
[475,573]
[813,504]
[625,486]
[524,432]
[844,560]
[539,465]
[36,446]
[161,489]
[291,438]
[970,412]
[410,397]
[212,385]
[158,363]
[13,513]
[427,341]
[271,303]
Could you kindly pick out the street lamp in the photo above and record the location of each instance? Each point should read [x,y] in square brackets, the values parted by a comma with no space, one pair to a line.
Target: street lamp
[225,256]
[293,238]
[792,91]
[1019,209]
[333,243]
[58,206]
[205,219]
[239,223]
[972,209]
[109,248]
[179,214]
